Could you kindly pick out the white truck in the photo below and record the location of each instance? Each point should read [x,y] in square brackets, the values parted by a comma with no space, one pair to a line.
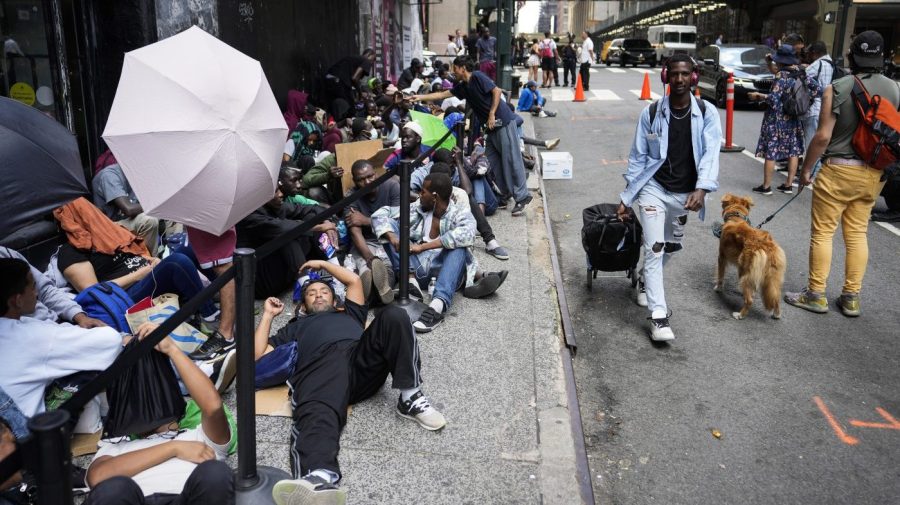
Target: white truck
[671,39]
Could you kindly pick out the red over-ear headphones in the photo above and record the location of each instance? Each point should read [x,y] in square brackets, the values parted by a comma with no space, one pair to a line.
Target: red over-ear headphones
[695,72]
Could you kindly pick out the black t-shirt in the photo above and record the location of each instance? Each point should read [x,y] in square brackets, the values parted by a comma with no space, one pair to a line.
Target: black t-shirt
[678,173]
[316,330]
[477,94]
[406,78]
[346,67]
[106,266]
[388,194]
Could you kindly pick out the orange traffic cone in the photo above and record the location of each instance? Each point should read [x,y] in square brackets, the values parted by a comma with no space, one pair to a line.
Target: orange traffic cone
[667,90]
[579,91]
[697,91]
[645,89]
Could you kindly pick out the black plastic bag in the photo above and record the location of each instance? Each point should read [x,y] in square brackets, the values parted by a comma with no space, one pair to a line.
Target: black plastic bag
[145,397]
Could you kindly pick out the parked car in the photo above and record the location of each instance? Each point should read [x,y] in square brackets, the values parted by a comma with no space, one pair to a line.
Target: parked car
[632,52]
[746,61]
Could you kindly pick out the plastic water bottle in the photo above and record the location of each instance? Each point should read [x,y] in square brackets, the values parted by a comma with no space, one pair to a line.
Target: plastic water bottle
[431,289]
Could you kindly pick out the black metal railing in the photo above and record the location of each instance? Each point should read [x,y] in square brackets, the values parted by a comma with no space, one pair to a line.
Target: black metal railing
[45,453]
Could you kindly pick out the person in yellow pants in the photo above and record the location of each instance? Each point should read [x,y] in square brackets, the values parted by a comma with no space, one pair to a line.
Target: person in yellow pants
[846,187]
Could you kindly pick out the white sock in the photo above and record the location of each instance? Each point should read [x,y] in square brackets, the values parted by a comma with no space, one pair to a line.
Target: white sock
[406,394]
[438,305]
[326,475]
[658,314]
[493,244]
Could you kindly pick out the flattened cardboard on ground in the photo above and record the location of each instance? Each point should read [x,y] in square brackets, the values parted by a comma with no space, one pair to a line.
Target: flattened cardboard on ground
[276,402]
[85,443]
[349,152]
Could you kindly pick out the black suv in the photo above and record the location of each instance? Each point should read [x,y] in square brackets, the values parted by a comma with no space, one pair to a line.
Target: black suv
[746,61]
[632,51]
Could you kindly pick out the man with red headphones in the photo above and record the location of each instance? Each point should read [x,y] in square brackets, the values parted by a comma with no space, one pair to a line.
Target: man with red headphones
[673,164]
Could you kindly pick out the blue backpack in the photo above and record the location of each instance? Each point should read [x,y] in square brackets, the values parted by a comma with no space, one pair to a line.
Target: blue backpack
[107,302]
[275,368]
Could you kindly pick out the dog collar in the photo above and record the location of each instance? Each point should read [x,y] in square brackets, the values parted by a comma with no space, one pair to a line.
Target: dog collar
[729,215]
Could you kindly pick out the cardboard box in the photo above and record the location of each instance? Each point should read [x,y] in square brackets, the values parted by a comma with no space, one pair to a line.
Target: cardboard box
[556,165]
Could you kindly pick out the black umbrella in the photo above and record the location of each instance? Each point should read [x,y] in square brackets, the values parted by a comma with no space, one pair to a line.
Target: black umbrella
[40,168]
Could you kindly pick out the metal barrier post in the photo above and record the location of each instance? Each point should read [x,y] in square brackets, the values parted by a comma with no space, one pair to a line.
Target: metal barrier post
[52,460]
[413,308]
[729,117]
[253,484]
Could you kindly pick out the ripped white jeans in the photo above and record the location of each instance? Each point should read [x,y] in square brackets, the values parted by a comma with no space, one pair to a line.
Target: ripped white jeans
[663,217]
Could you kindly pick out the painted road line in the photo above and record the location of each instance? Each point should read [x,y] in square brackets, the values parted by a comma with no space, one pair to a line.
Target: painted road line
[889,227]
[562,95]
[752,156]
[603,94]
[616,70]
[642,70]
[654,95]
[593,71]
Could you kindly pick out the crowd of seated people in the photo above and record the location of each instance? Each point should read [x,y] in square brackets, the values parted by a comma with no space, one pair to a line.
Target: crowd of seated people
[108,242]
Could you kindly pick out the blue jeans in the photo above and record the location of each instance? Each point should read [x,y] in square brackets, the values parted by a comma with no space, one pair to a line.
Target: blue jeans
[810,125]
[481,190]
[175,274]
[448,266]
[663,218]
[14,417]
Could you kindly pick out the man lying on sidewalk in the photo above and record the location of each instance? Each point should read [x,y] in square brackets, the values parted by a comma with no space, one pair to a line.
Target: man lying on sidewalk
[169,466]
[442,232]
[340,362]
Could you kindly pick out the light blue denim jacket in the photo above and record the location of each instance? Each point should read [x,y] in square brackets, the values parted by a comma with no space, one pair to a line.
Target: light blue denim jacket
[648,154]
[14,417]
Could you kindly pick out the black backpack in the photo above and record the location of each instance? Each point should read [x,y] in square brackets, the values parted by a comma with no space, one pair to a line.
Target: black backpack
[796,100]
[837,72]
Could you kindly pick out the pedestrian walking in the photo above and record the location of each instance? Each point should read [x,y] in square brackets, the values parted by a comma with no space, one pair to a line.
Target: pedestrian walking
[487,49]
[821,69]
[667,179]
[846,187]
[549,55]
[781,134]
[569,57]
[534,61]
[587,56]
[502,146]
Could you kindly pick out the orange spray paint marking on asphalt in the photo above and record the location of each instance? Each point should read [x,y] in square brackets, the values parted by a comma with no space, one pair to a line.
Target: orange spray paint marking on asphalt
[838,430]
[892,424]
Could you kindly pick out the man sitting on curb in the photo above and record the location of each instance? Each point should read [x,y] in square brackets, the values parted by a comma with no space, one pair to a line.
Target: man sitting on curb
[114,196]
[169,465]
[368,254]
[530,100]
[442,233]
[340,362]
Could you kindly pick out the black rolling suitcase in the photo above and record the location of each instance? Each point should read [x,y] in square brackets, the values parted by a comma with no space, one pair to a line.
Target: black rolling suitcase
[610,244]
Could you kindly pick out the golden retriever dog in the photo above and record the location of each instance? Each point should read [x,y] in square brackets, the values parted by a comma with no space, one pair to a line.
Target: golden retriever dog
[760,261]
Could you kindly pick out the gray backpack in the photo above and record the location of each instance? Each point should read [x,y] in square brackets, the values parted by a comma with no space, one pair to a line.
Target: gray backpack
[796,99]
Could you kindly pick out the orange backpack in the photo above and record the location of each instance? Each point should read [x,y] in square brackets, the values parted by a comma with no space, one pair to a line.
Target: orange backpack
[877,137]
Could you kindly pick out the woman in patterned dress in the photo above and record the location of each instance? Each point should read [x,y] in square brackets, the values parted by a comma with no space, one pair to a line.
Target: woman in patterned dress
[781,135]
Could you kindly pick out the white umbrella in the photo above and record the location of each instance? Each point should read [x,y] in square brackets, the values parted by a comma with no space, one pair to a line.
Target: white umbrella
[197,131]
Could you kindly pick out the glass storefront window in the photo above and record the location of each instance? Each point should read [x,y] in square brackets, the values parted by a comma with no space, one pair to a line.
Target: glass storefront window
[26,74]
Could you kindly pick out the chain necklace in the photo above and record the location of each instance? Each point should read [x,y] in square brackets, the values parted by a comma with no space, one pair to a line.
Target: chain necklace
[675,116]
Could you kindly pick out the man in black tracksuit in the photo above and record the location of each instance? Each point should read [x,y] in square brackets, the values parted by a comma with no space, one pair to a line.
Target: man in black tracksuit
[341,362]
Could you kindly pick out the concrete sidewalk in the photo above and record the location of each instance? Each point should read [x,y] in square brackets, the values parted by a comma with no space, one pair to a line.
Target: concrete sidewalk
[493,368]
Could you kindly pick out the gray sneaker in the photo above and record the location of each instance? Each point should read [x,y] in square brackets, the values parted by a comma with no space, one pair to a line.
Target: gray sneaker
[310,490]
[809,300]
[849,304]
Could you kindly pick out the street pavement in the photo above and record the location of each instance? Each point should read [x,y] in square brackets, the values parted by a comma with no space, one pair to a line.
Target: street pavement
[801,410]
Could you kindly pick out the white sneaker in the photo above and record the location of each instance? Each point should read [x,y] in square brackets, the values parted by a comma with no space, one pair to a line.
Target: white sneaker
[660,331]
[641,293]
[420,410]
[542,114]
[550,144]
[310,490]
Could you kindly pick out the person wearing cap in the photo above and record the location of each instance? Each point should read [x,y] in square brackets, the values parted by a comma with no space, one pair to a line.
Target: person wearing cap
[484,97]
[410,145]
[781,134]
[340,362]
[846,188]
[530,100]
[411,73]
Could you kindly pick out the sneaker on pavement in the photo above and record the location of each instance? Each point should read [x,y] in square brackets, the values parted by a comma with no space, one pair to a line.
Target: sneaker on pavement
[418,409]
[660,331]
[763,190]
[310,490]
[502,274]
[809,300]
[786,188]
[641,293]
[485,286]
[849,304]
[542,114]
[366,278]
[414,290]
[214,345]
[429,319]
[519,208]
[503,201]
[224,371]
[550,113]
[381,279]
[552,143]
[498,252]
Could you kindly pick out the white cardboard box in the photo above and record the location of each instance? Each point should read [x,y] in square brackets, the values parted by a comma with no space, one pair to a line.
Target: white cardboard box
[556,165]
